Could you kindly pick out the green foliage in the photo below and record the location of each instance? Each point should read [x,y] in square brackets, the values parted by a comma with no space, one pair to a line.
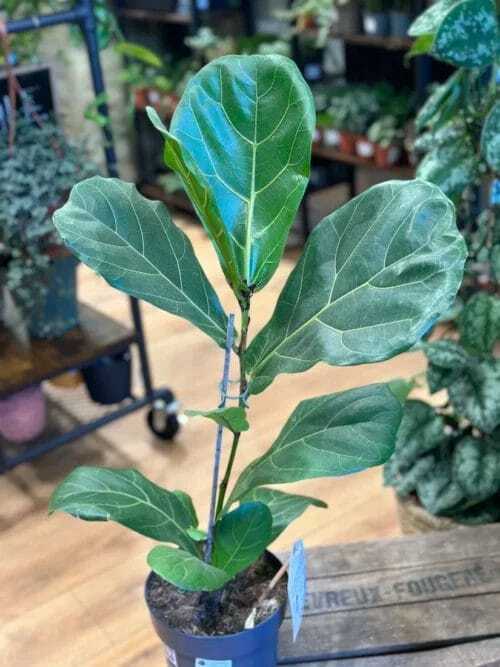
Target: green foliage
[386,132]
[241,537]
[456,471]
[133,243]
[234,419]
[372,278]
[35,178]
[348,301]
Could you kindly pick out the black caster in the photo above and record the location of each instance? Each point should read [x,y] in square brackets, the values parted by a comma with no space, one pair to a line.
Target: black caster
[163,420]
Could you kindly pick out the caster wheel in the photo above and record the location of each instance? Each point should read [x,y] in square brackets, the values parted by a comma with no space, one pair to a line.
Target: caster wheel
[162,419]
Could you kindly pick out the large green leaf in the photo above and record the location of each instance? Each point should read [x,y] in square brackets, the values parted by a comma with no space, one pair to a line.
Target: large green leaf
[127,497]
[133,243]
[186,571]
[479,323]
[490,138]
[429,21]
[467,35]
[247,124]
[284,507]
[202,199]
[241,536]
[328,436]
[373,277]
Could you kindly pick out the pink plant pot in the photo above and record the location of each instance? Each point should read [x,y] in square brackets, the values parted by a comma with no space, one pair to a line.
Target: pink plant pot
[23,415]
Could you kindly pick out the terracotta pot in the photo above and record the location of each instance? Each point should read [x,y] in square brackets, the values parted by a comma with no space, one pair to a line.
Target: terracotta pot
[141,98]
[23,415]
[413,518]
[387,157]
[347,143]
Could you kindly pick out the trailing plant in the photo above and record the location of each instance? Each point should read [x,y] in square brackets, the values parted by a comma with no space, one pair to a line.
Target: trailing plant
[35,176]
[385,132]
[449,455]
[373,277]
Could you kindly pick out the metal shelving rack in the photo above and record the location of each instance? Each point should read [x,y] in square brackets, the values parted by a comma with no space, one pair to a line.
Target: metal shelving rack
[98,335]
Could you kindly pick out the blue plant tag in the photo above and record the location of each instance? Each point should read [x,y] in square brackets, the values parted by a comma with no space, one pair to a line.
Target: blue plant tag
[203,662]
[495,192]
[297,585]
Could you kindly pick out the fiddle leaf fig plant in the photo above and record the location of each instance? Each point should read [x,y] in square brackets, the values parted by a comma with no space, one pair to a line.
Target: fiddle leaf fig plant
[372,279]
[448,454]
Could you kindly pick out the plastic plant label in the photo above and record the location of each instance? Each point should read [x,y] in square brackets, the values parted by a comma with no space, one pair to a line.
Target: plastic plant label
[297,585]
[495,192]
[171,656]
[331,138]
[203,662]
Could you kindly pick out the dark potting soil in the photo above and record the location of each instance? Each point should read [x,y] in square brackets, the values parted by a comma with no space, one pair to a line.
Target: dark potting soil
[229,608]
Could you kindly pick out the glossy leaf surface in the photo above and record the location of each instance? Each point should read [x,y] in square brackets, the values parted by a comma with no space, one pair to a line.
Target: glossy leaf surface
[467,35]
[185,571]
[373,277]
[284,507]
[429,21]
[328,436]
[241,536]
[133,243]
[247,123]
[127,497]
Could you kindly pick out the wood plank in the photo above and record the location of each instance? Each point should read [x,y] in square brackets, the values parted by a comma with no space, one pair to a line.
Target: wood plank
[28,362]
[399,595]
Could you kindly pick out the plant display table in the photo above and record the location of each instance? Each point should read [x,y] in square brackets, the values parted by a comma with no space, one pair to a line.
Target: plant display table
[424,600]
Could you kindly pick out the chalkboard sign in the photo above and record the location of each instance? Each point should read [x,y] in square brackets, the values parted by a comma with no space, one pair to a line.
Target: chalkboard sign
[36,94]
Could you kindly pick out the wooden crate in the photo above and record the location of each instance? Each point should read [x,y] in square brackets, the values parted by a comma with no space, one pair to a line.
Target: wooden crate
[423,600]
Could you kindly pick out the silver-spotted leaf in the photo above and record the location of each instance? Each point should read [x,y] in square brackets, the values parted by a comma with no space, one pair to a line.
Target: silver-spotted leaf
[133,243]
[467,36]
[447,361]
[328,436]
[479,323]
[490,138]
[241,536]
[474,394]
[127,497]
[476,468]
[247,123]
[443,104]
[284,507]
[429,21]
[185,571]
[372,279]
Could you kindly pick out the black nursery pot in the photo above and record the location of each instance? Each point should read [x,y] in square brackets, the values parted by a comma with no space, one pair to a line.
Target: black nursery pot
[250,648]
[109,379]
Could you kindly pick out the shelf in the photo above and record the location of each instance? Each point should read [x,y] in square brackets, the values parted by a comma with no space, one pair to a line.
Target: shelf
[328,153]
[151,15]
[178,200]
[26,363]
[377,41]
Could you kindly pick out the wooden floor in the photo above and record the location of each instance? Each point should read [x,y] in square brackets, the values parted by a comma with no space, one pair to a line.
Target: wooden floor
[71,592]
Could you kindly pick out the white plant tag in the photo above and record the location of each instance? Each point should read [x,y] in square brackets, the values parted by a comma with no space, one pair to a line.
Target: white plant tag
[171,656]
[203,662]
[331,138]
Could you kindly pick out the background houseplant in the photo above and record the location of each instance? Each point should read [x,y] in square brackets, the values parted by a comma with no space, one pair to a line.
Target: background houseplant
[372,278]
[387,137]
[36,175]
[447,458]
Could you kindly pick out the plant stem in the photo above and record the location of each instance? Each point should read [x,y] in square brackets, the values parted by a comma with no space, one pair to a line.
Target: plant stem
[245,323]
[218,442]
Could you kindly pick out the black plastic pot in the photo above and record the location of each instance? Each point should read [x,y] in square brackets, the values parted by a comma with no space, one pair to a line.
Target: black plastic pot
[251,648]
[109,379]
[399,22]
